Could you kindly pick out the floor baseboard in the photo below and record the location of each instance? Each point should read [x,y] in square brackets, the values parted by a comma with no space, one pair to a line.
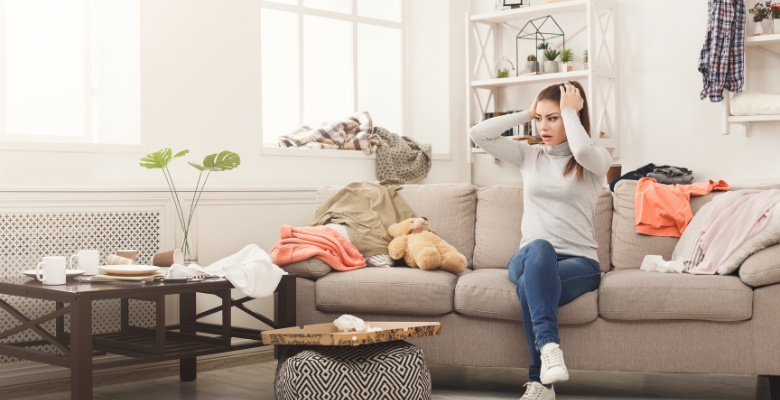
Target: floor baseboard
[139,373]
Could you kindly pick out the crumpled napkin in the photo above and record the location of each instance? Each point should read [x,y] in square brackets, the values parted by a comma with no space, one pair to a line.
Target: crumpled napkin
[657,263]
[351,323]
[250,271]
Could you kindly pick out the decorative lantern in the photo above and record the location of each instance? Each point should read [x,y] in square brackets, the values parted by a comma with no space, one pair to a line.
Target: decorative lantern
[541,33]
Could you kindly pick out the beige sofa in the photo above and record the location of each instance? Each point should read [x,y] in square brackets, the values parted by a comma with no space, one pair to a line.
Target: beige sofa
[636,321]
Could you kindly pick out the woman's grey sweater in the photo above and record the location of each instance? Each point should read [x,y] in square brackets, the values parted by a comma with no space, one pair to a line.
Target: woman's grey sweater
[557,208]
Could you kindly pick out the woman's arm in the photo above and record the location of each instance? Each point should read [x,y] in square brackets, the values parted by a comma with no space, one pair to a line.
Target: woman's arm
[487,134]
[594,158]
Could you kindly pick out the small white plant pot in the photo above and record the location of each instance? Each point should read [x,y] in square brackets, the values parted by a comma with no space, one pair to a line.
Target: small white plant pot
[551,67]
[776,26]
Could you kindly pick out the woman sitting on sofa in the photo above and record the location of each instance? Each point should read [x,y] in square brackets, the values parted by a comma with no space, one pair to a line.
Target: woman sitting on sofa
[556,262]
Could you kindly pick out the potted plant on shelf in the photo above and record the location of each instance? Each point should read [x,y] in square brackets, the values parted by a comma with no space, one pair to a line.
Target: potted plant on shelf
[774,11]
[585,59]
[760,12]
[551,65]
[503,66]
[223,161]
[531,65]
[567,56]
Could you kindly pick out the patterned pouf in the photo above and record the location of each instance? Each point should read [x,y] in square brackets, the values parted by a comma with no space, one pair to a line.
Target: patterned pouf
[383,371]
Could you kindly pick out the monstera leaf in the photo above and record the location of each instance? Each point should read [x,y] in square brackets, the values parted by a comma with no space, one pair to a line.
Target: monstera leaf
[224,161]
[160,158]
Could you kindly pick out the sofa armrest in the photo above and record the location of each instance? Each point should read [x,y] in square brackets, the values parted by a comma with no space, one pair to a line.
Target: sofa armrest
[762,268]
[311,269]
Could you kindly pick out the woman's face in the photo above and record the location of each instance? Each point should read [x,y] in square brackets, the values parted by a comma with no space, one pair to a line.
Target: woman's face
[549,122]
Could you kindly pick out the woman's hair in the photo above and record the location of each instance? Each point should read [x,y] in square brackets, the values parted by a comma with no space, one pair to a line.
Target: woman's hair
[553,93]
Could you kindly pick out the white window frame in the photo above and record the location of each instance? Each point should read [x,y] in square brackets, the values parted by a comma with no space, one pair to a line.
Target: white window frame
[41,142]
[268,148]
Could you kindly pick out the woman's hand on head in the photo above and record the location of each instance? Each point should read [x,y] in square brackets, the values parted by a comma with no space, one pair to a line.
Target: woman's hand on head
[532,109]
[571,97]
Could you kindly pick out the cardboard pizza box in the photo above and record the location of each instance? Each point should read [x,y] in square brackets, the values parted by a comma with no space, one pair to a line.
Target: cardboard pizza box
[328,335]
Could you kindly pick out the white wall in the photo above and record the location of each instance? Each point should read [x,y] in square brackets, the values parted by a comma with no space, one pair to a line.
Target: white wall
[662,119]
[200,89]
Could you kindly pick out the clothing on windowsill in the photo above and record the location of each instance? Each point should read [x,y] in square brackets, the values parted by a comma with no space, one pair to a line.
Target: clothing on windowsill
[665,210]
[400,157]
[353,133]
[721,61]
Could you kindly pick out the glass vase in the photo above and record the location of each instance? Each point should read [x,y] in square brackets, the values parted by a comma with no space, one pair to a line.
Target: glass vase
[188,243]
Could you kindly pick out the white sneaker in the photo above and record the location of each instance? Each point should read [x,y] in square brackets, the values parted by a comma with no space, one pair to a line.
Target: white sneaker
[553,368]
[537,391]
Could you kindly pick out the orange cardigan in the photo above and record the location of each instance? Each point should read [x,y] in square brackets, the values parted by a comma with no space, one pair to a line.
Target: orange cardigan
[298,244]
[665,210]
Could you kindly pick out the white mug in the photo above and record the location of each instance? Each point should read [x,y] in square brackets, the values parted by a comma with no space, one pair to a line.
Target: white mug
[51,271]
[89,260]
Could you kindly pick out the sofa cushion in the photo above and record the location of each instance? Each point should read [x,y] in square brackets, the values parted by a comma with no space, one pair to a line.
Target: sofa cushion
[499,214]
[488,293]
[497,233]
[629,247]
[399,290]
[450,209]
[641,295]
[312,268]
[762,268]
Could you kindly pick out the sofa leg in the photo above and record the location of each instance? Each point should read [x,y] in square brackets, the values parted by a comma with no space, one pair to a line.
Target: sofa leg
[774,386]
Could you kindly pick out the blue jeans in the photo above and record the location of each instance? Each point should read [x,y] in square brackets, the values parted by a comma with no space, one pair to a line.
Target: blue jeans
[544,282]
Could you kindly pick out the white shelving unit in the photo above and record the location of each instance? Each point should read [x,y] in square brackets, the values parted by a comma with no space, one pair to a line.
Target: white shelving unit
[486,32]
[739,124]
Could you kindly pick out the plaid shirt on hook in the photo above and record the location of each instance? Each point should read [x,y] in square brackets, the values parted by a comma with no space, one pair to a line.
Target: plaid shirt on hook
[722,59]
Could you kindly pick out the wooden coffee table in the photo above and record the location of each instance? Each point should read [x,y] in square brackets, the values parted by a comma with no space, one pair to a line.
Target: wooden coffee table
[185,341]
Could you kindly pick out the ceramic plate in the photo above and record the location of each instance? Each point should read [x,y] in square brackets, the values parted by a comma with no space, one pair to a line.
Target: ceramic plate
[69,273]
[129,269]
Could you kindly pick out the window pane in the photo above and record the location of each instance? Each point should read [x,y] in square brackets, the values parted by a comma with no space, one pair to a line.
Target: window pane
[342,6]
[45,74]
[279,64]
[327,70]
[290,2]
[379,75]
[117,71]
[381,9]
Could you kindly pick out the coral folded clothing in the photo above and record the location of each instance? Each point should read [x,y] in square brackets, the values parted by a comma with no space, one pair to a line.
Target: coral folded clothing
[665,210]
[298,244]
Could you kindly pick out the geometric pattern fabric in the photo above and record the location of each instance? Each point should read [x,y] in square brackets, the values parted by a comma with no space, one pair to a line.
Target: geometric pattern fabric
[384,371]
[27,237]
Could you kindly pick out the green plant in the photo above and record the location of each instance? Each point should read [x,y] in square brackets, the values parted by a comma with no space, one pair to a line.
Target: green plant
[531,57]
[502,73]
[567,55]
[760,11]
[542,46]
[223,161]
[585,56]
[551,54]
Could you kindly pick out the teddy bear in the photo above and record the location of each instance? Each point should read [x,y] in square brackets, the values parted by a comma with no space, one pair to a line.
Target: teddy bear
[421,248]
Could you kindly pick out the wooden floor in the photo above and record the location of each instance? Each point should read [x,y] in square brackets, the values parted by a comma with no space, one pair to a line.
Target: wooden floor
[255,382]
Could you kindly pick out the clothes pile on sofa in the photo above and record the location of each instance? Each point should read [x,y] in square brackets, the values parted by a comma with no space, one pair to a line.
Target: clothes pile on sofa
[349,230]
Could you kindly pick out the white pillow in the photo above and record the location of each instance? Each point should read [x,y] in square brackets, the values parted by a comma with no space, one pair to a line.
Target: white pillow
[754,103]
[688,249]
[768,236]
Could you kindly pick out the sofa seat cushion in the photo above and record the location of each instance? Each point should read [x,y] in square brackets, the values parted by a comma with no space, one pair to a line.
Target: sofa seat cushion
[488,293]
[641,295]
[400,290]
